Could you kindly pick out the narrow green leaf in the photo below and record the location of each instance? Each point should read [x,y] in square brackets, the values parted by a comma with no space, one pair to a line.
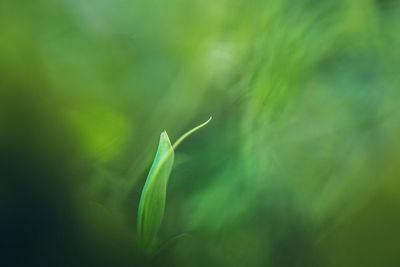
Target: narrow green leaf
[152,201]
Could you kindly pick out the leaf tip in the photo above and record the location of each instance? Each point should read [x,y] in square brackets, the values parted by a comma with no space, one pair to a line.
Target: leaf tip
[164,134]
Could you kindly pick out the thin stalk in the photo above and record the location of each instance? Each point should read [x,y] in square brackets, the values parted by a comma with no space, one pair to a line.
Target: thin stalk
[183,137]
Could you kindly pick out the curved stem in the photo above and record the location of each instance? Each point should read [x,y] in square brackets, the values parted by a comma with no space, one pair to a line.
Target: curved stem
[183,137]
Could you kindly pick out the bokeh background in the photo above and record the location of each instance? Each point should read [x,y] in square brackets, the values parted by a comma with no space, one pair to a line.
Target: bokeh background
[299,166]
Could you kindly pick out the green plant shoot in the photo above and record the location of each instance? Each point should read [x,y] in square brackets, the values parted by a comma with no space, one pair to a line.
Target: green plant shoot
[152,200]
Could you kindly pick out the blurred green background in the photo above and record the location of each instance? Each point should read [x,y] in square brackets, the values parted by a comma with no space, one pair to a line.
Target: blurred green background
[299,166]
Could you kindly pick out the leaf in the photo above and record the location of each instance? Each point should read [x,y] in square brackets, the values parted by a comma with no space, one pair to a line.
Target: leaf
[152,201]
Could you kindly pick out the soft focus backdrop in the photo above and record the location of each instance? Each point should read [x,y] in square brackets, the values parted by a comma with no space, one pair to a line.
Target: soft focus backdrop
[299,167]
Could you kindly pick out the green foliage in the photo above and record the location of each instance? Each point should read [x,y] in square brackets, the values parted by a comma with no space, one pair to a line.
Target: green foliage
[300,167]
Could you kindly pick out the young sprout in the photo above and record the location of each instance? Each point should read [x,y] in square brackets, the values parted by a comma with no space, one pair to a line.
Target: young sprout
[152,200]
